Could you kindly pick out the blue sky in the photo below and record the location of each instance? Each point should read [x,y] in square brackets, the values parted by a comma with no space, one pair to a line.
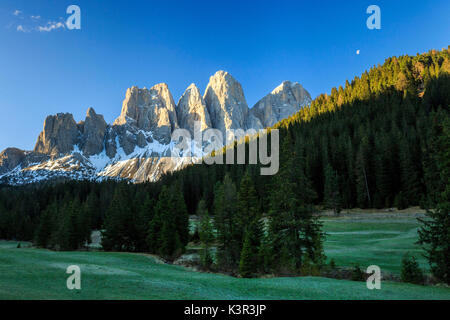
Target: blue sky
[125,43]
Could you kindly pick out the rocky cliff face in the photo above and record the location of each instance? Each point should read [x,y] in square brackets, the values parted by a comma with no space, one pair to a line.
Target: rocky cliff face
[93,132]
[10,158]
[192,108]
[226,103]
[59,135]
[282,102]
[137,146]
[150,110]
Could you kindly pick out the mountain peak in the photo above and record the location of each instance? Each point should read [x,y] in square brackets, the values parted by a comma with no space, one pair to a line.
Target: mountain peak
[287,85]
[58,136]
[192,89]
[192,86]
[10,158]
[222,76]
[285,100]
[221,73]
[136,146]
[226,103]
[160,86]
[90,112]
[191,108]
[93,133]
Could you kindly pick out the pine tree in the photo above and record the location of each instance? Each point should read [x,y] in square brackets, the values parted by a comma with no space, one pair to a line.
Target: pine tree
[385,171]
[206,235]
[251,257]
[411,271]
[86,220]
[171,245]
[247,266]
[115,235]
[70,236]
[364,196]
[282,202]
[332,197]
[431,150]
[154,233]
[434,233]
[91,207]
[411,185]
[163,205]
[168,230]
[181,214]
[228,231]
[46,226]
[145,215]
[124,227]
[248,215]
[293,230]
[148,208]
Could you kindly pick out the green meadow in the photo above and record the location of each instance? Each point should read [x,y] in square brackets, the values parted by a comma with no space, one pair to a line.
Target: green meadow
[373,239]
[28,273]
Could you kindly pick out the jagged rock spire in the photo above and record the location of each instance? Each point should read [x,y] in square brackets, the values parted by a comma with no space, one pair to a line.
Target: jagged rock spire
[191,108]
[285,100]
[226,103]
[94,130]
[59,135]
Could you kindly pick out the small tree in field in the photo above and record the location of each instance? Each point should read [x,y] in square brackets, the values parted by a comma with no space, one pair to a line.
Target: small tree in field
[411,271]
[246,265]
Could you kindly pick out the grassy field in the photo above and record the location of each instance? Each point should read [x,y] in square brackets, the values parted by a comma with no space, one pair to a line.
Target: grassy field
[373,239]
[27,273]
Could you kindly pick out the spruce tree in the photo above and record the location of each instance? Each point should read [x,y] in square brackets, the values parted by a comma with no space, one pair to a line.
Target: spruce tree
[46,225]
[431,149]
[115,235]
[293,230]
[248,215]
[86,220]
[180,213]
[163,205]
[332,196]
[434,233]
[206,235]
[92,209]
[168,230]
[171,245]
[70,236]
[410,270]
[228,231]
[154,233]
[282,202]
[145,215]
[411,185]
[148,208]
[247,266]
[364,195]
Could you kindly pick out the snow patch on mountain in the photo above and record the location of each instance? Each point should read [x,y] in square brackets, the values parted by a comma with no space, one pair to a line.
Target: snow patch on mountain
[138,145]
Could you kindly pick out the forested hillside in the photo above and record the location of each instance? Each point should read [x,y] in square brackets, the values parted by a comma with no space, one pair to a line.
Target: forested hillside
[370,144]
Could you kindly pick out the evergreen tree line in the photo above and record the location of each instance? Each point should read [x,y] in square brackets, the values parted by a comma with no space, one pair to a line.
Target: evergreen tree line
[43,208]
[288,240]
[159,226]
[368,145]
